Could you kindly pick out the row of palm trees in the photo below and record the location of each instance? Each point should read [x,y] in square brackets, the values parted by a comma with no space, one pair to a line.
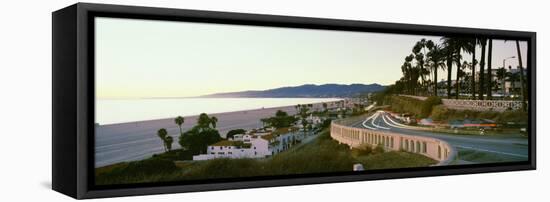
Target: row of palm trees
[165,138]
[428,57]
[203,121]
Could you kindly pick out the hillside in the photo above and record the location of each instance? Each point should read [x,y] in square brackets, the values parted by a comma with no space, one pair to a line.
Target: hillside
[305,91]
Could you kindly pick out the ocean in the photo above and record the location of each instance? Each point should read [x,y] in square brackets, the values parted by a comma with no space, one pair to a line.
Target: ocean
[112,111]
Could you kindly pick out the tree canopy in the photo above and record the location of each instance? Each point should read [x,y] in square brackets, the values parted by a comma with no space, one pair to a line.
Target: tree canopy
[280,120]
[201,135]
[234,132]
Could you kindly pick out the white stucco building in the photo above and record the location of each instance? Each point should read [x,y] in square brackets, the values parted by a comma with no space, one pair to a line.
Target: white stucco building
[255,144]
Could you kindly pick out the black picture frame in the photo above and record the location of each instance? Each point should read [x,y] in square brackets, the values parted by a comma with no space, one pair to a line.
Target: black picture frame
[73,98]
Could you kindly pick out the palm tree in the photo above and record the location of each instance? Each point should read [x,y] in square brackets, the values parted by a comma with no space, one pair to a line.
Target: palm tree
[419,52]
[521,79]
[304,124]
[410,73]
[450,46]
[203,120]
[213,121]
[460,45]
[436,58]
[179,121]
[501,75]
[465,65]
[512,78]
[169,141]
[405,68]
[483,42]
[162,133]
[473,43]
[449,59]
[489,71]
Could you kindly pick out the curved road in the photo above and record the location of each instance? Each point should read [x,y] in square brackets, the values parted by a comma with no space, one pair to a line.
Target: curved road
[471,148]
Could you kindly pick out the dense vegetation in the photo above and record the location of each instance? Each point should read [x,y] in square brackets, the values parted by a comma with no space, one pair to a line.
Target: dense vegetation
[280,120]
[421,109]
[320,156]
[441,113]
[420,70]
[432,108]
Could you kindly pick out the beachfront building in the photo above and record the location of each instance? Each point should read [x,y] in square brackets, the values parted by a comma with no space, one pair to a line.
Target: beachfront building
[255,144]
[314,120]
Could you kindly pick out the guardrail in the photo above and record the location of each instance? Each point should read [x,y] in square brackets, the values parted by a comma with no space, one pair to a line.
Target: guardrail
[355,137]
[476,105]
[482,105]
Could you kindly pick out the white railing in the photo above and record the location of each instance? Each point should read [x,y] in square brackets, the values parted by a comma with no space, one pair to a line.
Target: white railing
[476,105]
[433,148]
[482,105]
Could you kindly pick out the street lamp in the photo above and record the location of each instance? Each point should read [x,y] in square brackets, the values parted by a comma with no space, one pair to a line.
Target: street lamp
[504,69]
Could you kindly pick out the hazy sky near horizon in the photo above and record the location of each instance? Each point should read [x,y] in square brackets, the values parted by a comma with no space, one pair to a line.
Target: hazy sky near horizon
[148,58]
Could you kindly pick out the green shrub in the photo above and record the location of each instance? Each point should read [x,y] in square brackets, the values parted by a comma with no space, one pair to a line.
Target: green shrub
[152,169]
[441,113]
[175,155]
[421,109]
[395,159]
[517,116]
[151,166]
[405,105]
[378,149]
[428,104]
[362,150]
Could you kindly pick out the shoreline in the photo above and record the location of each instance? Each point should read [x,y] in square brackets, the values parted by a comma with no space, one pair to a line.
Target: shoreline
[213,114]
[137,140]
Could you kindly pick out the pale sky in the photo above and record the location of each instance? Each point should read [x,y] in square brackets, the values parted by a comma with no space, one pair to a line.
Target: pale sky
[149,58]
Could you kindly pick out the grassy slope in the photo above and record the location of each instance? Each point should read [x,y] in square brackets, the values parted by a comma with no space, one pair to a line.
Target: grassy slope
[320,156]
[473,156]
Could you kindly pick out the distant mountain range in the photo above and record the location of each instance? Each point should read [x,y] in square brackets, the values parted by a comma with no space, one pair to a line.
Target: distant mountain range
[305,91]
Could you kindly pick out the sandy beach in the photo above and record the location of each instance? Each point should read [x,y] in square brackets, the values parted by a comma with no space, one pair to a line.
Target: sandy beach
[138,140]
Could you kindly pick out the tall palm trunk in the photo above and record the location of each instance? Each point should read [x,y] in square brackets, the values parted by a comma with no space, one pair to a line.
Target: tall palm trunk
[457,89]
[489,69]
[449,72]
[521,79]
[411,85]
[474,70]
[421,63]
[482,69]
[435,81]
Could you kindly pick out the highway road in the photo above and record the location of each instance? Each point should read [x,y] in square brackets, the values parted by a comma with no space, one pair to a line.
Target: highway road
[471,148]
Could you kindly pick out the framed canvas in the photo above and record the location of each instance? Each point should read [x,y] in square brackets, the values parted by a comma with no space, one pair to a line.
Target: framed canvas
[158,100]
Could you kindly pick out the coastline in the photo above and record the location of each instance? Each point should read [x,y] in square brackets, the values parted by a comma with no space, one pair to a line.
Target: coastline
[137,140]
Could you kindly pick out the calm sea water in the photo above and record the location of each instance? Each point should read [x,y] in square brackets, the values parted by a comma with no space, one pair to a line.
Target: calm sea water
[110,111]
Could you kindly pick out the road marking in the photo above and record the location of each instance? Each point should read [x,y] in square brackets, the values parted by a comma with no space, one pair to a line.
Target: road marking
[498,152]
[392,125]
[398,125]
[375,125]
[365,122]
[395,124]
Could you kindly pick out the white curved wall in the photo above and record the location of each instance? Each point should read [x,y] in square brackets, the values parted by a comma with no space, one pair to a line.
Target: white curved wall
[430,147]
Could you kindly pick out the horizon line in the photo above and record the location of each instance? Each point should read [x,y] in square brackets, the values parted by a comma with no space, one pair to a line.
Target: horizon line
[204,95]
